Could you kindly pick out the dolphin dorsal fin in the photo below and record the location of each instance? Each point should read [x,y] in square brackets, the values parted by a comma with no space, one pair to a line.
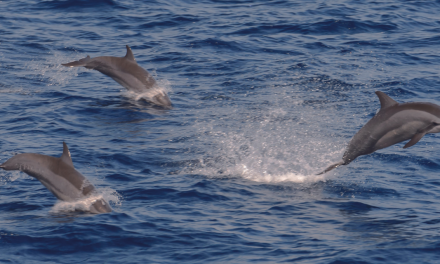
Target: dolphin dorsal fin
[129,55]
[66,155]
[385,100]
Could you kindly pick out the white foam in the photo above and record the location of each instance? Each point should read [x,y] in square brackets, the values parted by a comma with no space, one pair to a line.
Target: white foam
[162,87]
[108,194]
[286,177]
[262,176]
[270,145]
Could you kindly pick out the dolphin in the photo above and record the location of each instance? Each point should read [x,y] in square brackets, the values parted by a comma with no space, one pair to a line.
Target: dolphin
[126,72]
[59,176]
[393,123]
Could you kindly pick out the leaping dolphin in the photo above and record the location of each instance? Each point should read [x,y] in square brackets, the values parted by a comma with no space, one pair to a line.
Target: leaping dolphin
[126,72]
[59,176]
[393,123]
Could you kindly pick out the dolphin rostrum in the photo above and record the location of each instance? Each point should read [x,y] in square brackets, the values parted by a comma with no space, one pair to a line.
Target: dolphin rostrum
[393,123]
[59,176]
[126,72]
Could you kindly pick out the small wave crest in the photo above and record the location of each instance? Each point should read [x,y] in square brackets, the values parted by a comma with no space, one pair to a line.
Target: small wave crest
[78,4]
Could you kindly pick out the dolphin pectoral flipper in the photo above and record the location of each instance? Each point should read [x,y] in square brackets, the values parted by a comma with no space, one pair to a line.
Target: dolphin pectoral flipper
[416,138]
[81,62]
[331,167]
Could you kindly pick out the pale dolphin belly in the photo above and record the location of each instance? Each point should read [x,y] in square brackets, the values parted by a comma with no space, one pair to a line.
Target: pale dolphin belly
[130,83]
[378,134]
[392,124]
[58,185]
[398,131]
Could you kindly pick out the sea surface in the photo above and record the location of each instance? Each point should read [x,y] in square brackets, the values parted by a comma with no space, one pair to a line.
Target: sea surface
[265,95]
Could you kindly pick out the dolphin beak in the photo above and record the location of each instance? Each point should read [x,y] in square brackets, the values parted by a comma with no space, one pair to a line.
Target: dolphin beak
[101,206]
[162,100]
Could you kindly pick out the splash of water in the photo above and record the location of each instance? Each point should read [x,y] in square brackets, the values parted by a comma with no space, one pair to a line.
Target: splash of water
[84,204]
[271,145]
[162,87]
[50,70]
[12,176]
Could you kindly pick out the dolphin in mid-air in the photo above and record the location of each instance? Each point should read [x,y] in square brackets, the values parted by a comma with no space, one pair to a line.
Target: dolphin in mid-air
[393,123]
[59,176]
[126,72]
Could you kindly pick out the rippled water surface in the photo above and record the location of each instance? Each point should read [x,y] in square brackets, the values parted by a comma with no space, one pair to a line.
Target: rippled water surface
[265,95]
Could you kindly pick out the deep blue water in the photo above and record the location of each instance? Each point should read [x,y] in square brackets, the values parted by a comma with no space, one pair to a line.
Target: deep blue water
[265,95]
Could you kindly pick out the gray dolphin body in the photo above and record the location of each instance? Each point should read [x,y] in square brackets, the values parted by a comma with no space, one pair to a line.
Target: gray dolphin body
[393,123]
[126,72]
[58,175]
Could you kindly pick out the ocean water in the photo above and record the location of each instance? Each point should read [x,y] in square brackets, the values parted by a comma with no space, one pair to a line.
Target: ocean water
[265,95]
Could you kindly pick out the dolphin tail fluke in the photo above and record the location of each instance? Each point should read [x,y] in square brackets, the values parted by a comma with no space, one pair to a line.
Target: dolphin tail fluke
[331,167]
[81,62]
